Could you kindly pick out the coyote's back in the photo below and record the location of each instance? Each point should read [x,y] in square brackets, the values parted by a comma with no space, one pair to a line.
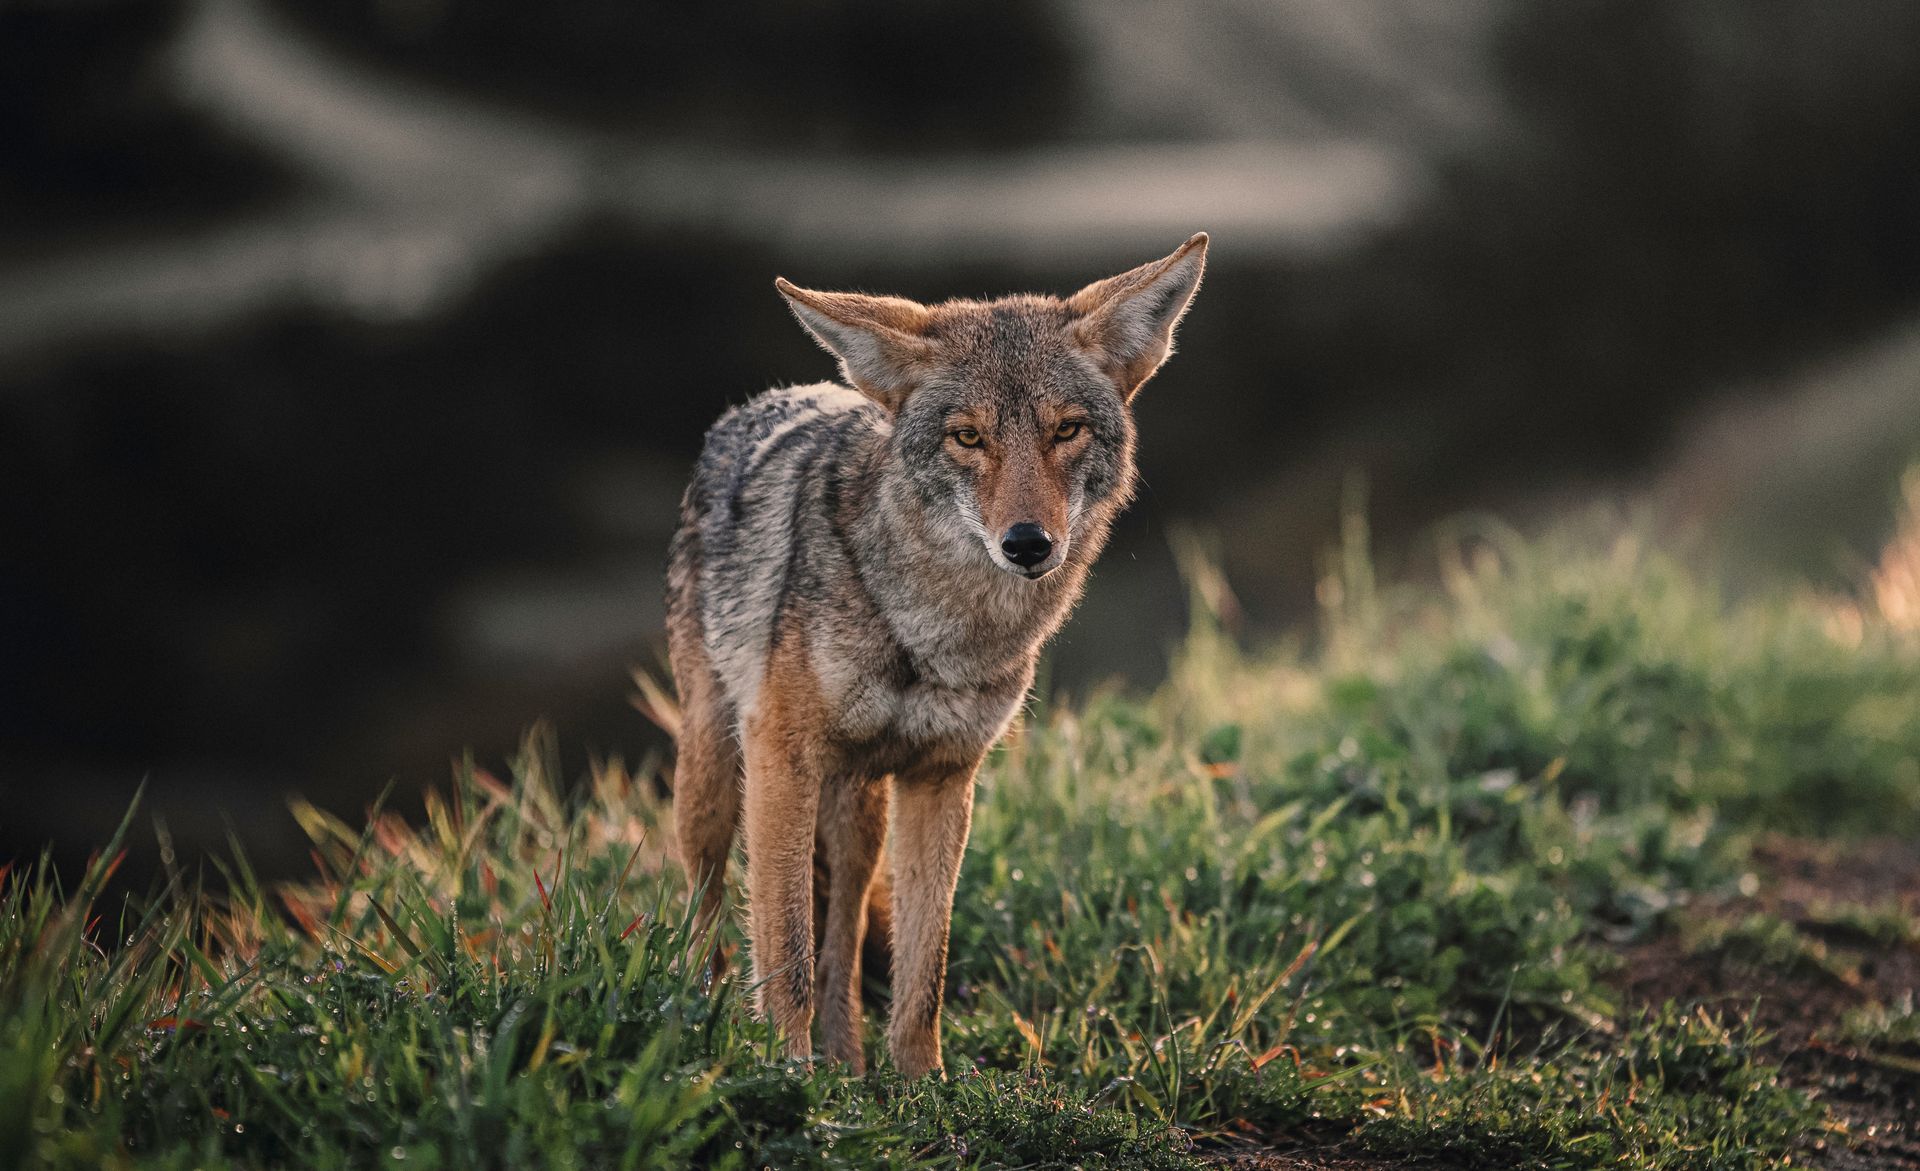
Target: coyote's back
[757,494]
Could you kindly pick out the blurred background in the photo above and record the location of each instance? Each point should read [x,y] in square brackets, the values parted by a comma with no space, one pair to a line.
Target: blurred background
[353,352]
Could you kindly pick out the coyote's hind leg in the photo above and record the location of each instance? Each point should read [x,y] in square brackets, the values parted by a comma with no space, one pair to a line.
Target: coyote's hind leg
[706,784]
[852,833]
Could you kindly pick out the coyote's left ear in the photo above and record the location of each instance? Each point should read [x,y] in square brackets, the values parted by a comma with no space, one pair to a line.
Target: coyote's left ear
[878,340]
[1127,321]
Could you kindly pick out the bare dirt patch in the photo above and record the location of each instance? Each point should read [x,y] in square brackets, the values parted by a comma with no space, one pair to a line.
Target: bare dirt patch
[1304,1161]
[1831,931]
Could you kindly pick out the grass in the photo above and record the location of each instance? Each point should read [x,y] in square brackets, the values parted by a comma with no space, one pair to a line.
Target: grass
[1366,892]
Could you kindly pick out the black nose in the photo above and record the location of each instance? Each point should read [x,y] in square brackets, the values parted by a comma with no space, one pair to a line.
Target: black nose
[1026,545]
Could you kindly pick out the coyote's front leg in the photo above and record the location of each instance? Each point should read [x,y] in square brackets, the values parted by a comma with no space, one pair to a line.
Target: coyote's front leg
[932,811]
[783,780]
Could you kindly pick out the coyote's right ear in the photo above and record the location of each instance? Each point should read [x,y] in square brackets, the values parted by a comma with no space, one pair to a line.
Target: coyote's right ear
[878,340]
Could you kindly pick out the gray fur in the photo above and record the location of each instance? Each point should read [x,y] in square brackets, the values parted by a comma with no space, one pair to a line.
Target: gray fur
[815,504]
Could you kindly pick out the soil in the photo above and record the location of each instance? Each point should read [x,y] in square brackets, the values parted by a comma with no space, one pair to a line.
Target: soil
[1874,1094]
[1303,1161]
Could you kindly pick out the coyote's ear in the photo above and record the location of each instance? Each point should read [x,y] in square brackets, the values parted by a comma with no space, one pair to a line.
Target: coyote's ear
[1127,321]
[878,339]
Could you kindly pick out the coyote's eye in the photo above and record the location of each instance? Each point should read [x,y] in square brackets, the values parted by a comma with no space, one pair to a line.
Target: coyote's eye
[1067,430]
[965,436]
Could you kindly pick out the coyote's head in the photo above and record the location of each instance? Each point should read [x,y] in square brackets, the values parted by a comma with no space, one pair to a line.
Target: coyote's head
[1014,415]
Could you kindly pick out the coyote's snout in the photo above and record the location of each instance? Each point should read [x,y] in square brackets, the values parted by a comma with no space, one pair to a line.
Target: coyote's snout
[858,592]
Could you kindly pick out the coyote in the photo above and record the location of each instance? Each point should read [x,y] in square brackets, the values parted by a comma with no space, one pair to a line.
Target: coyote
[861,583]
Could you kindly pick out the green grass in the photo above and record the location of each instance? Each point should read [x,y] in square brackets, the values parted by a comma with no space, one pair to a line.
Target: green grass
[1894,1028]
[1366,891]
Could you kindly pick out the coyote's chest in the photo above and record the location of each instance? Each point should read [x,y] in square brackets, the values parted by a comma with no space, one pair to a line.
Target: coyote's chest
[927,680]
[890,730]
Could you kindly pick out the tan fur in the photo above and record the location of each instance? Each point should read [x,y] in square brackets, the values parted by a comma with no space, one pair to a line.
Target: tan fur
[852,832]
[888,330]
[932,812]
[786,771]
[1107,331]
[853,626]
[706,779]
[1022,477]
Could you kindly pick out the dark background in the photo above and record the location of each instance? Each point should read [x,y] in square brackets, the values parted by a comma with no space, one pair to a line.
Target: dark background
[352,352]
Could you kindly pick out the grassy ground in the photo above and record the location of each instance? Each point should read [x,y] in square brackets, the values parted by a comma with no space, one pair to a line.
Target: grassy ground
[1474,879]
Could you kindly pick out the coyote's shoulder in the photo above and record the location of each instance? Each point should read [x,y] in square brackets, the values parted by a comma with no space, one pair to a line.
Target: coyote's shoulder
[859,590]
